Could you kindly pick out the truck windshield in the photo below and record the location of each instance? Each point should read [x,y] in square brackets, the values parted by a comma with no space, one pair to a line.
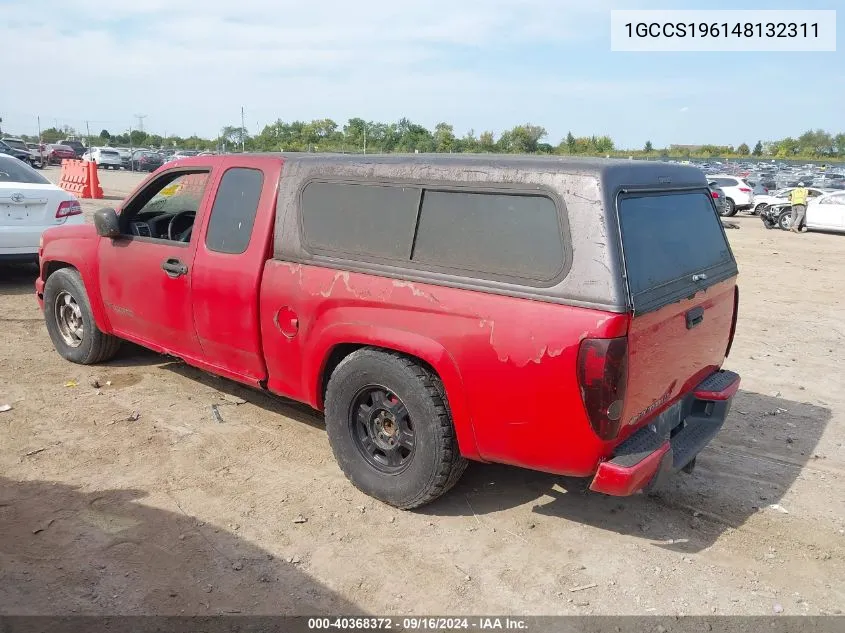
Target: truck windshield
[667,239]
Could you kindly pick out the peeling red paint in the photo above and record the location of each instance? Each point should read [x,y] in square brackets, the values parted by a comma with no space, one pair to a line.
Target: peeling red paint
[507,364]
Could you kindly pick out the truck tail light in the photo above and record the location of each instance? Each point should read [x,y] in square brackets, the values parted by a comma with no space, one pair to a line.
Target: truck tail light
[603,378]
[68,208]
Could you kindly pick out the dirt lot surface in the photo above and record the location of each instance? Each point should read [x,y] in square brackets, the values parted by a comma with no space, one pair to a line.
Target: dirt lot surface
[174,513]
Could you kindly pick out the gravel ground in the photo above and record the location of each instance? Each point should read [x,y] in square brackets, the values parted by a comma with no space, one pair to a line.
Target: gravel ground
[174,513]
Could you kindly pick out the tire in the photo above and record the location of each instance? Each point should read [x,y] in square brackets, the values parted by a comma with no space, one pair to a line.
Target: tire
[434,463]
[91,344]
[785,220]
[759,208]
[729,210]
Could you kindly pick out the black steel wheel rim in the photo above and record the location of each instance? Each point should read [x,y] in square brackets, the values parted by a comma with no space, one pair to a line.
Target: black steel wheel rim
[381,429]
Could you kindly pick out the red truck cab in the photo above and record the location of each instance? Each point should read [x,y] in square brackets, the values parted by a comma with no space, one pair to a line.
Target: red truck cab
[566,316]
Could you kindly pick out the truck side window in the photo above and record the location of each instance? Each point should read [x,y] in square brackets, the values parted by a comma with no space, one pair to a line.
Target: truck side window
[490,234]
[233,213]
[166,208]
[369,221]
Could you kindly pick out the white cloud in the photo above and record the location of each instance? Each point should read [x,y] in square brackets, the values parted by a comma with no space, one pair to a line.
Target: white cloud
[191,64]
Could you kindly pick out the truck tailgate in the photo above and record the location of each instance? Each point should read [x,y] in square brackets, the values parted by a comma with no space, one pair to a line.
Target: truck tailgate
[681,278]
[672,349]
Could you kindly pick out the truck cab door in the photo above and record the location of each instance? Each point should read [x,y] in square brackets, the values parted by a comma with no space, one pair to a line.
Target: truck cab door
[236,242]
[146,274]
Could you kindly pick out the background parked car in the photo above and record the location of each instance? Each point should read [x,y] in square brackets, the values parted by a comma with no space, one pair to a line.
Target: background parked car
[781,196]
[824,213]
[145,160]
[30,204]
[718,197]
[40,149]
[125,155]
[56,153]
[35,158]
[76,145]
[14,152]
[104,157]
[738,193]
[184,153]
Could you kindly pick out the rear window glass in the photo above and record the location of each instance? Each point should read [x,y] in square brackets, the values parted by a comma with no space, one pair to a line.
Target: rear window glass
[725,182]
[505,235]
[669,237]
[369,220]
[14,170]
[13,142]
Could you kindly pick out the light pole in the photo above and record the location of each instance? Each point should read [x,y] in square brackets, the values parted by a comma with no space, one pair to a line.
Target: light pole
[243,130]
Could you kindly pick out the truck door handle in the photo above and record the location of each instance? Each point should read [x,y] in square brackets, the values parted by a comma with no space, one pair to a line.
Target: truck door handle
[174,268]
[694,317]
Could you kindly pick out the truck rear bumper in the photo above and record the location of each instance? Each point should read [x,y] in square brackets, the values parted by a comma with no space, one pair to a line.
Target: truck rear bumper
[671,440]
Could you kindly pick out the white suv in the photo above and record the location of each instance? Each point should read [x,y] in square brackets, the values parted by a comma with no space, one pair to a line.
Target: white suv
[104,157]
[739,195]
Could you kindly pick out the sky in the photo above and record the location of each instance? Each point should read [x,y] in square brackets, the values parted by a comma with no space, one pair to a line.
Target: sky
[190,65]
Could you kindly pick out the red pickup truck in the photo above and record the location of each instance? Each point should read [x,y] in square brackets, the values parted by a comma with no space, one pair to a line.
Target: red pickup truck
[561,315]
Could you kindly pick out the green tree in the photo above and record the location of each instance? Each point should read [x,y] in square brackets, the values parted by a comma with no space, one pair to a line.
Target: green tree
[743,150]
[648,147]
[839,144]
[231,136]
[444,137]
[815,143]
[354,132]
[525,138]
[584,145]
[469,143]
[487,142]
[155,140]
[104,134]
[413,137]
[570,142]
[52,135]
[787,147]
[603,144]
[138,138]
[758,149]
[381,137]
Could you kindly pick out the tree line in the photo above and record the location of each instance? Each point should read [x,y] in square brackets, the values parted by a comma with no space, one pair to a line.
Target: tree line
[358,135]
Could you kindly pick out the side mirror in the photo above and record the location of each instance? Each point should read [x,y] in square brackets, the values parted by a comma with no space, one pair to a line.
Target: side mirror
[106,223]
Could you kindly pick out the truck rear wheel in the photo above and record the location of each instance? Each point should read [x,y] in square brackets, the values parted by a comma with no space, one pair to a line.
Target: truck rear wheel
[70,322]
[390,428]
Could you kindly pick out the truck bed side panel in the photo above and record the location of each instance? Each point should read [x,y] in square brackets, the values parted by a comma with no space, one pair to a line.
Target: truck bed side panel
[512,359]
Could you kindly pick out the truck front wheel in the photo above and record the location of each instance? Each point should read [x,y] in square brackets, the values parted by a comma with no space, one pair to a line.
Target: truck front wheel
[70,322]
[390,428]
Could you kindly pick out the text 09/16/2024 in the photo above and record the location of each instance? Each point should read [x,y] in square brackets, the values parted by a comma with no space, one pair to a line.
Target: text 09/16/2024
[723,31]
